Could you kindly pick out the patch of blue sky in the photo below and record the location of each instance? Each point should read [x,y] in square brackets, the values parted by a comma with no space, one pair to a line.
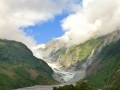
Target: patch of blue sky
[46,31]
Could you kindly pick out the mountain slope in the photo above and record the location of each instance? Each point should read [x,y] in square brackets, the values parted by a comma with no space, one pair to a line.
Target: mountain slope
[19,68]
[77,59]
[105,69]
[104,72]
[69,56]
[51,47]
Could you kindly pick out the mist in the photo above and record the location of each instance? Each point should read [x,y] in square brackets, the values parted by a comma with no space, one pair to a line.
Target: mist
[86,20]
[95,18]
[15,14]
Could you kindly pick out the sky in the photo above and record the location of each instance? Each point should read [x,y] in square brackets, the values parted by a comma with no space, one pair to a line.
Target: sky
[45,32]
[34,22]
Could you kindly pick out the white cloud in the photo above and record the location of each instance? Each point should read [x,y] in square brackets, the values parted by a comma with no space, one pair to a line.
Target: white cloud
[18,13]
[95,17]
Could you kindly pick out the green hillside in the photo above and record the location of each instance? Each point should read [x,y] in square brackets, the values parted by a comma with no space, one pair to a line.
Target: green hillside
[78,53]
[105,70]
[19,68]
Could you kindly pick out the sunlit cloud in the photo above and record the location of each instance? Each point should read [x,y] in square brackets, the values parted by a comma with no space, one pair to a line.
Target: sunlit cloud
[20,13]
[96,17]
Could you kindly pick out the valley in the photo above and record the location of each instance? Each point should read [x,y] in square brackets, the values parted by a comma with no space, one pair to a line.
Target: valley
[59,44]
[85,59]
[95,61]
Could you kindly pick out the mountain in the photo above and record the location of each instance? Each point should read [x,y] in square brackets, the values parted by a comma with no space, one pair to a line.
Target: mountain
[19,68]
[96,60]
[104,72]
[50,48]
[68,56]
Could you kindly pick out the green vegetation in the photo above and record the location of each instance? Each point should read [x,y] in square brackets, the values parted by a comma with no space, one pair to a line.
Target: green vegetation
[86,48]
[80,52]
[105,70]
[78,86]
[19,68]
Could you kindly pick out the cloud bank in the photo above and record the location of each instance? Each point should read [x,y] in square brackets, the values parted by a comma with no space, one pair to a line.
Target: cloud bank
[18,13]
[93,17]
[96,17]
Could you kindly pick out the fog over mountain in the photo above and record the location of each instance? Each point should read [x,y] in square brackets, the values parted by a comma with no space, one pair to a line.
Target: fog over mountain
[85,20]
[96,17]
[15,14]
